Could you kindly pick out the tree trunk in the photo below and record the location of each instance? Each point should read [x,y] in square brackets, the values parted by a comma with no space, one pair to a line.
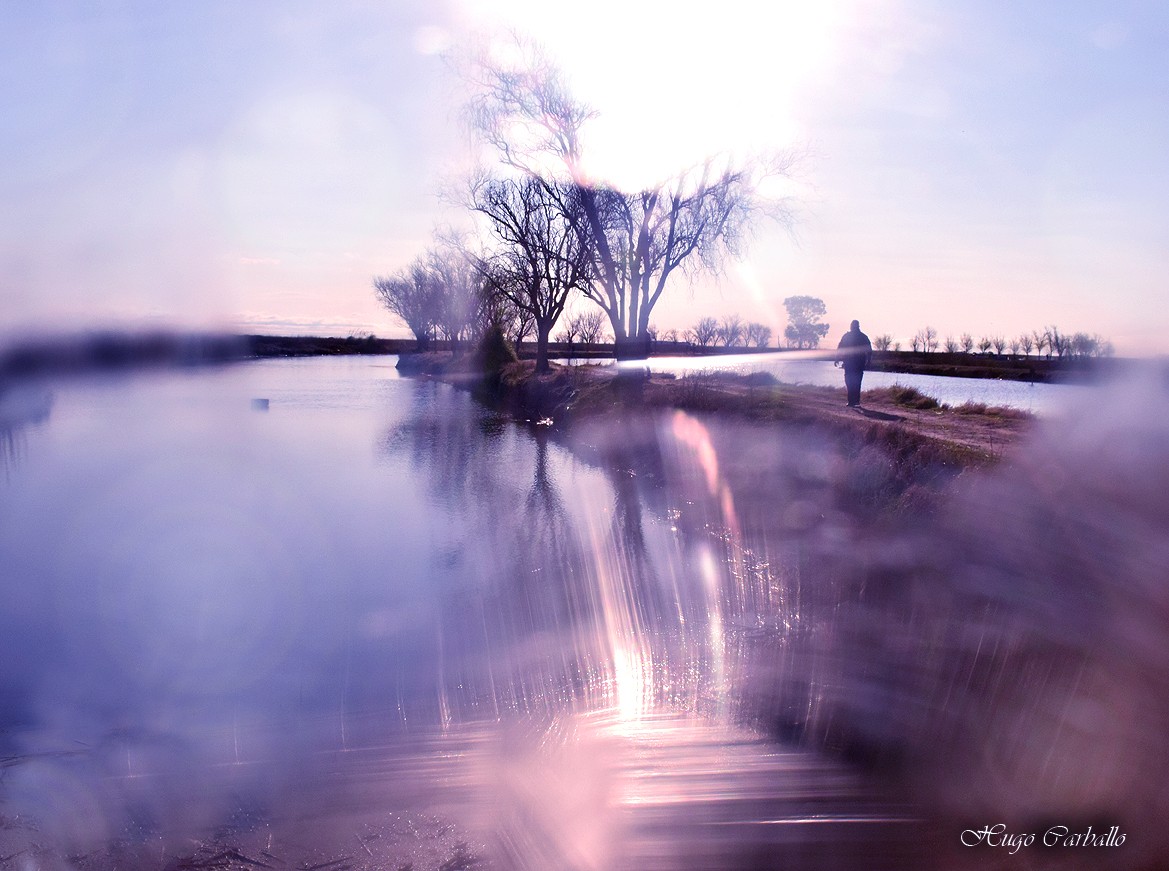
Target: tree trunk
[542,332]
[631,347]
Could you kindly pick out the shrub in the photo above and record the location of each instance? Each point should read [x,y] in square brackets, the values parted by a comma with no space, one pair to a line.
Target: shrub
[911,397]
[991,410]
[495,351]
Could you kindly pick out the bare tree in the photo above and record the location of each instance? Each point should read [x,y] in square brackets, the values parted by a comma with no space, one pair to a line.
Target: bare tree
[925,339]
[882,342]
[951,345]
[1085,345]
[459,297]
[568,332]
[984,344]
[539,260]
[704,332]
[670,335]
[730,331]
[520,325]
[1000,344]
[498,310]
[1013,346]
[412,296]
[590,325]
[1057,342]
[1041,341]
[691,221]
[757,334]
[967,342]
[1025,343]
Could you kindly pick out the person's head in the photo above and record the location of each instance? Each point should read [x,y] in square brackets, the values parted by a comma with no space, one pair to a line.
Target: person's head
[855,326]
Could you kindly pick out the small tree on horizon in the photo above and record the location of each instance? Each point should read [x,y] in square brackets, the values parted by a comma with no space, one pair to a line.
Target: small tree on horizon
[967,342]
[1057,342]
[925,340]
[883,342]
[704,332]
[805,329]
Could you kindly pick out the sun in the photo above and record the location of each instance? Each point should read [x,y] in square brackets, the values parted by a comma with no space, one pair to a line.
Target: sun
[676,82]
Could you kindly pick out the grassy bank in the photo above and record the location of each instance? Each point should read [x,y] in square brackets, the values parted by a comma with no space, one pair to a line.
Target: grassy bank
[925,444]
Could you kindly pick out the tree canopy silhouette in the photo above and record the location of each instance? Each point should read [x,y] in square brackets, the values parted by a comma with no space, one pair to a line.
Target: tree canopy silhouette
[539,260]
[804,329]
[691,221]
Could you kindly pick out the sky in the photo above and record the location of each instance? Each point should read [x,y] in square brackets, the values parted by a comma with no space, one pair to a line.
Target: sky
[975,166]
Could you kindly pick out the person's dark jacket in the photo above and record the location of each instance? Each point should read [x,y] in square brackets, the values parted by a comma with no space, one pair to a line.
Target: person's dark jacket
[855,351]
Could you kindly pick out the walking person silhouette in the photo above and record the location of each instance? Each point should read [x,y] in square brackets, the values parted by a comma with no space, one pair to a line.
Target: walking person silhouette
[854,351]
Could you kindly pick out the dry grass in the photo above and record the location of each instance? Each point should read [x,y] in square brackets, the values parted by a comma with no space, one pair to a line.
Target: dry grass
[906,397]
[992,411]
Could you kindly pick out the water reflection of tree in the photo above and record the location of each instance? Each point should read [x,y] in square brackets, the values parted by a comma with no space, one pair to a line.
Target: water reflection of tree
[512,570]
[759,553]
[633,466]
[450,440]
[554,576]
[12,448]
[19,409]
[620,516]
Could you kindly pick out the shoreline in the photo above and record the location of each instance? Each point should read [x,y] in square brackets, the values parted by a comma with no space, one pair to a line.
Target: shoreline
[113,350]
[913,428]
[989,366]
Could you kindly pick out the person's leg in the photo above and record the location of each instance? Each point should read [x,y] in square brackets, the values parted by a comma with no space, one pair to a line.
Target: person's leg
[852,380]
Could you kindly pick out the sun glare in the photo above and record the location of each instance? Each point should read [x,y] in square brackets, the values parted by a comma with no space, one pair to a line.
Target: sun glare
[674,83]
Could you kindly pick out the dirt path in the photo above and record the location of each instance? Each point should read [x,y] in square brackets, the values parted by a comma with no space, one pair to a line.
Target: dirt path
[990,431]
[976,433]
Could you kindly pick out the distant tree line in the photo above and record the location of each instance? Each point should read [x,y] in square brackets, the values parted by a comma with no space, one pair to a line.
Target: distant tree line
[585,328]
[804,330]
[1049,342]
[730,332]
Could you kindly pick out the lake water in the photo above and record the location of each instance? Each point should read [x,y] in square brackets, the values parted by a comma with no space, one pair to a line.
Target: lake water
[789,369]
[370,622]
